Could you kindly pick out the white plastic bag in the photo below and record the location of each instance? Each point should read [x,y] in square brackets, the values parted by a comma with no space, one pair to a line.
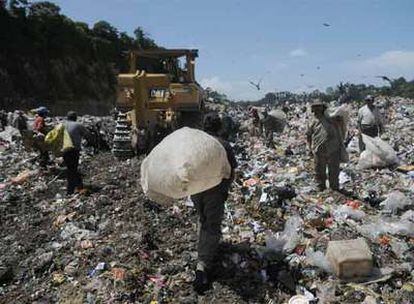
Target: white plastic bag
[345,212]
[318,259]
[378,154]
[186,162]
[367,160]
[374,230]
[286,240]
[9,133]
[276,121]
[408,216]
[395,201]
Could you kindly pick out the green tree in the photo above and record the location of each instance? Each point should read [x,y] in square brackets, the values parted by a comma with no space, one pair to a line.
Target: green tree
[104,30]
[142,39]
[44,9]
[18,8]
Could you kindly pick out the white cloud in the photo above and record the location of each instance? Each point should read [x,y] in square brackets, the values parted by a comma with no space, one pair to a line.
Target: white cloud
[298,53]
[391,63]
[216,84]
[393,59]
[234,89]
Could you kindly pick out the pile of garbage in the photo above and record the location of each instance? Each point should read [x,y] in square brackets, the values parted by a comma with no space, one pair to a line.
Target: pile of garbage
[283,242]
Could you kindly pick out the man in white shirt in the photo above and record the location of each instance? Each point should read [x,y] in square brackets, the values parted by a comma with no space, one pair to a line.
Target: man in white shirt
[369,121]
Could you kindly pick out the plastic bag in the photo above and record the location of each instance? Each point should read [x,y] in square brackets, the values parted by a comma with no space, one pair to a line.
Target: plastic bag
[286,240]
[58,140]
[402,228]
[378,154]
[9,134]
[345,212]
[374,230]
[275,121]
[318,259]
[408,215]
[368,160]
[395,201]
[186,162]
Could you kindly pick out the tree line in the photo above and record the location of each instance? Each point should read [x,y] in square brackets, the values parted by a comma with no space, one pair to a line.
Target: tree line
[46,58]
[348,92]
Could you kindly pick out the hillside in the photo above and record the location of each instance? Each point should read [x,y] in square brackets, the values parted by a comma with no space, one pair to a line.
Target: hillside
[48,59]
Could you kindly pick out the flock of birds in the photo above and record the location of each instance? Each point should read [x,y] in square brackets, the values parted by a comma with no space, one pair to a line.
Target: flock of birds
[257,86]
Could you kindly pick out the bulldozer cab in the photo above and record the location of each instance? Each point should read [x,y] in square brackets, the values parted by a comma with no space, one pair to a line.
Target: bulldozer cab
[160,92]
[159,83]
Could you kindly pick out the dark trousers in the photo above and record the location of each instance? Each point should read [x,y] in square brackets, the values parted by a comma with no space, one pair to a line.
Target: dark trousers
[330,161]
[44,159]
[71,159]
[210,209]
[372,131]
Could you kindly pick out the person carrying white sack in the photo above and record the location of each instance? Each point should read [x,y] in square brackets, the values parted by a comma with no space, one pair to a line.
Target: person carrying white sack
[370,121]
[210,208]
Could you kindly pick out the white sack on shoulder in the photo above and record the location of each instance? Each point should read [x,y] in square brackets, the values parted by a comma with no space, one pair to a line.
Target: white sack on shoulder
[186,162]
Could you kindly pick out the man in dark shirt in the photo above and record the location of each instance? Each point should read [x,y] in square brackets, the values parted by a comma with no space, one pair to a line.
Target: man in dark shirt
[71,157]
[20,122]
[210,208]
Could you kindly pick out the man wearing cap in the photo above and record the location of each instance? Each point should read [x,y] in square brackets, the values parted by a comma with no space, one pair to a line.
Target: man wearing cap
[71,157]
[369,121]
[210,208]
[40,130]
[325,145]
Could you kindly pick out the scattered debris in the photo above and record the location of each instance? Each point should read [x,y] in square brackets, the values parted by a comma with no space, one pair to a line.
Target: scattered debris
[112,244]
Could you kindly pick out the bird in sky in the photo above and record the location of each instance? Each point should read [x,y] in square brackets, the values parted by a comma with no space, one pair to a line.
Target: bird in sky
[326,24]
[385,78]
[256,85]
[318,67]
[301,75]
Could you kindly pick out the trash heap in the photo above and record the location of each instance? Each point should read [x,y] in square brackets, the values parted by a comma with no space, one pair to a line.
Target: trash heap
[283,242]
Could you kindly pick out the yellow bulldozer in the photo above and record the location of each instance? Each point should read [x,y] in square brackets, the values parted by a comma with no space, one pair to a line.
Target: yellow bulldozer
[158,95]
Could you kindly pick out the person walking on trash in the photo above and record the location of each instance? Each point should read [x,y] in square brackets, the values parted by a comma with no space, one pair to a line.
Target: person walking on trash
[40,130]
[325,145]
[266,129]
[369,121]
[71,157]
[210,208]
[20,122]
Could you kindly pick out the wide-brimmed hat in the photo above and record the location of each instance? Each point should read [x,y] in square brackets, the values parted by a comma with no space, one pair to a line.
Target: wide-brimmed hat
[318,103]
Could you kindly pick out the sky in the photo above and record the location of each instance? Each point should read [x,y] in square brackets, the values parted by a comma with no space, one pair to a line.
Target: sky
[283,43]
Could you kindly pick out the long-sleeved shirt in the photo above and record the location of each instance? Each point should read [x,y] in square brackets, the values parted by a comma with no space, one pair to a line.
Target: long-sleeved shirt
[226,183]
[76,131]
[369,117]
[20,123]
[324,136]
[39,125]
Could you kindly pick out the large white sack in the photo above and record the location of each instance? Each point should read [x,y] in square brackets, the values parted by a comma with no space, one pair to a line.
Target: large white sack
[341,116]
[276,121]
[377,153]
[186,162]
